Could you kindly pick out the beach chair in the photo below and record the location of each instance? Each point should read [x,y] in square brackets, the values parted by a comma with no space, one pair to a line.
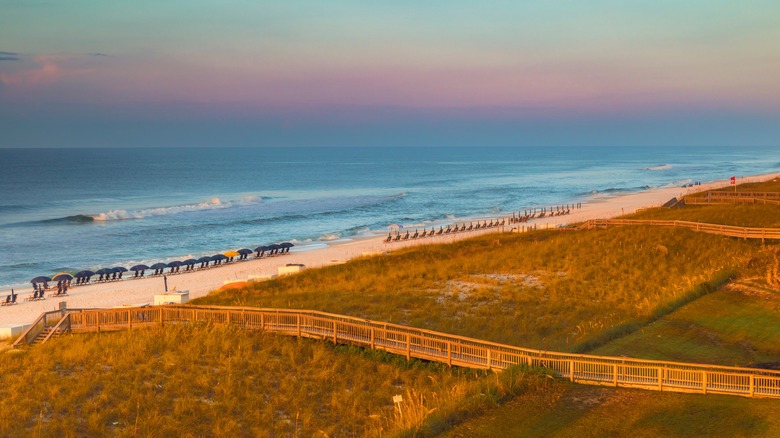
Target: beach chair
[397,237]
[416,233]
[389,237]
[406,236]
[33,297]
[455,229]
[441,230]
[7,301]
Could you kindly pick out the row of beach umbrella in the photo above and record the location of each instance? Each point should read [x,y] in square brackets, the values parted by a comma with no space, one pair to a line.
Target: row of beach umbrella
[106,274]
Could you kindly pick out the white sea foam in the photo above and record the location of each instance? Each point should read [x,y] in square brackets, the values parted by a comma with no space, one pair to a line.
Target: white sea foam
[212,204]
[659,167]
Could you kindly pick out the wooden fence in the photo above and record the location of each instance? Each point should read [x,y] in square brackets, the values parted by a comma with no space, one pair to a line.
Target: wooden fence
[723,230]
[435,346]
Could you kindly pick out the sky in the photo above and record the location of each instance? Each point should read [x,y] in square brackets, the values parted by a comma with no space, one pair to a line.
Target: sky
[142,73]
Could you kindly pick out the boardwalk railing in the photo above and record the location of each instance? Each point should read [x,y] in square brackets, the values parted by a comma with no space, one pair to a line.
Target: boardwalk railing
[737,195]
[441,347]
[723,230]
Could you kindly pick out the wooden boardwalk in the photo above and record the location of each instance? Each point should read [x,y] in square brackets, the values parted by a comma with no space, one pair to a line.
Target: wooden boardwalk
[423,344]
[720,198]
[723,230]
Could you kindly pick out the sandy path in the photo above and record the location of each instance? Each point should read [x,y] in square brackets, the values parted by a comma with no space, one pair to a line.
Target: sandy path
[200,283]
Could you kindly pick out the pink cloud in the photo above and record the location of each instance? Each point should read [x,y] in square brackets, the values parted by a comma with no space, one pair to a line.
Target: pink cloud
[47,73]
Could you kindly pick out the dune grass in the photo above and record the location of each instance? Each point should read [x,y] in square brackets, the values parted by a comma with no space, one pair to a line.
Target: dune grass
[546,289]
[736,214]
[740,215]
[223,381]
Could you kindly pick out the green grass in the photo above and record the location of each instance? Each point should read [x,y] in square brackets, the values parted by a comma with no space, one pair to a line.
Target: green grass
[569,410]
[727,327]
[548,289]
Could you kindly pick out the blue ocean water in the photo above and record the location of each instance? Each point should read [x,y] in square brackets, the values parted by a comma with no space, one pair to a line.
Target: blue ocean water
[73,209]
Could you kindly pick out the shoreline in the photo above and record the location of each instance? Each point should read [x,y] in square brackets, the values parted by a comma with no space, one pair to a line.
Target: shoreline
[199,283]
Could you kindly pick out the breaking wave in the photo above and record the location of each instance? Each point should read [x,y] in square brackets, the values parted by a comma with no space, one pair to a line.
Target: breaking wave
[659,167]
[212,204]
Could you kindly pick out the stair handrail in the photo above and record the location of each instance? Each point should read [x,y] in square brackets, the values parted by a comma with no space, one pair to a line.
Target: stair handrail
[65,321]
[35,328]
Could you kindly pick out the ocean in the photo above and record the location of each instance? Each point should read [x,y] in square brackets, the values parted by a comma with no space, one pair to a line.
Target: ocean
[74,209]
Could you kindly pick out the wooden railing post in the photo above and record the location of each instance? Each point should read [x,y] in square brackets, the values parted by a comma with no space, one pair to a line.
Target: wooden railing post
[298,324]
[661,378]
[129,324]
[571,370]
[615,375]
[262,322]
[449,354]
[408,346]
[752,385]
[335,333]
[704,381]
[489,365]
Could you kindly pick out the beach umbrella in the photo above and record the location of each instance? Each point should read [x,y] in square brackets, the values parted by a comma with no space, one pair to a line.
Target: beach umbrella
[174,264]
[286,246]
[104,271]
[190,262]
[139,268]
[231,254]
[41,279]
[159,266]
[205,259]
[62,276]
[216,257]
[261,248]
[119,269]
[82,274]
[245,251]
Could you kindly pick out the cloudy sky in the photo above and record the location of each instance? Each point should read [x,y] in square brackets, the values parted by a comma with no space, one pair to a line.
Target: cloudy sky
[147,73]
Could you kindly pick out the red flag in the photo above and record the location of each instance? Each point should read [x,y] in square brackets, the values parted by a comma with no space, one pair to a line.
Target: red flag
[733,180]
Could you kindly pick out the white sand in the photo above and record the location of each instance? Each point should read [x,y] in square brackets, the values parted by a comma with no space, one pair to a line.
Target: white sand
[200,283]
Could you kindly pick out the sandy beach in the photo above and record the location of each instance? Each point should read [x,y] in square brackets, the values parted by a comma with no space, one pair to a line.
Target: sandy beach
[200,282]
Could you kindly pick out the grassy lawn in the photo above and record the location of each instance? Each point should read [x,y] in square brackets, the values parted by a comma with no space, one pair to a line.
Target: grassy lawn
[737,325]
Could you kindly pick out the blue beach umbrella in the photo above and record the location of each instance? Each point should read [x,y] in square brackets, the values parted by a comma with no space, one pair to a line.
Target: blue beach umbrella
[40,279]
[159,266]
[82,274]
[139,268]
